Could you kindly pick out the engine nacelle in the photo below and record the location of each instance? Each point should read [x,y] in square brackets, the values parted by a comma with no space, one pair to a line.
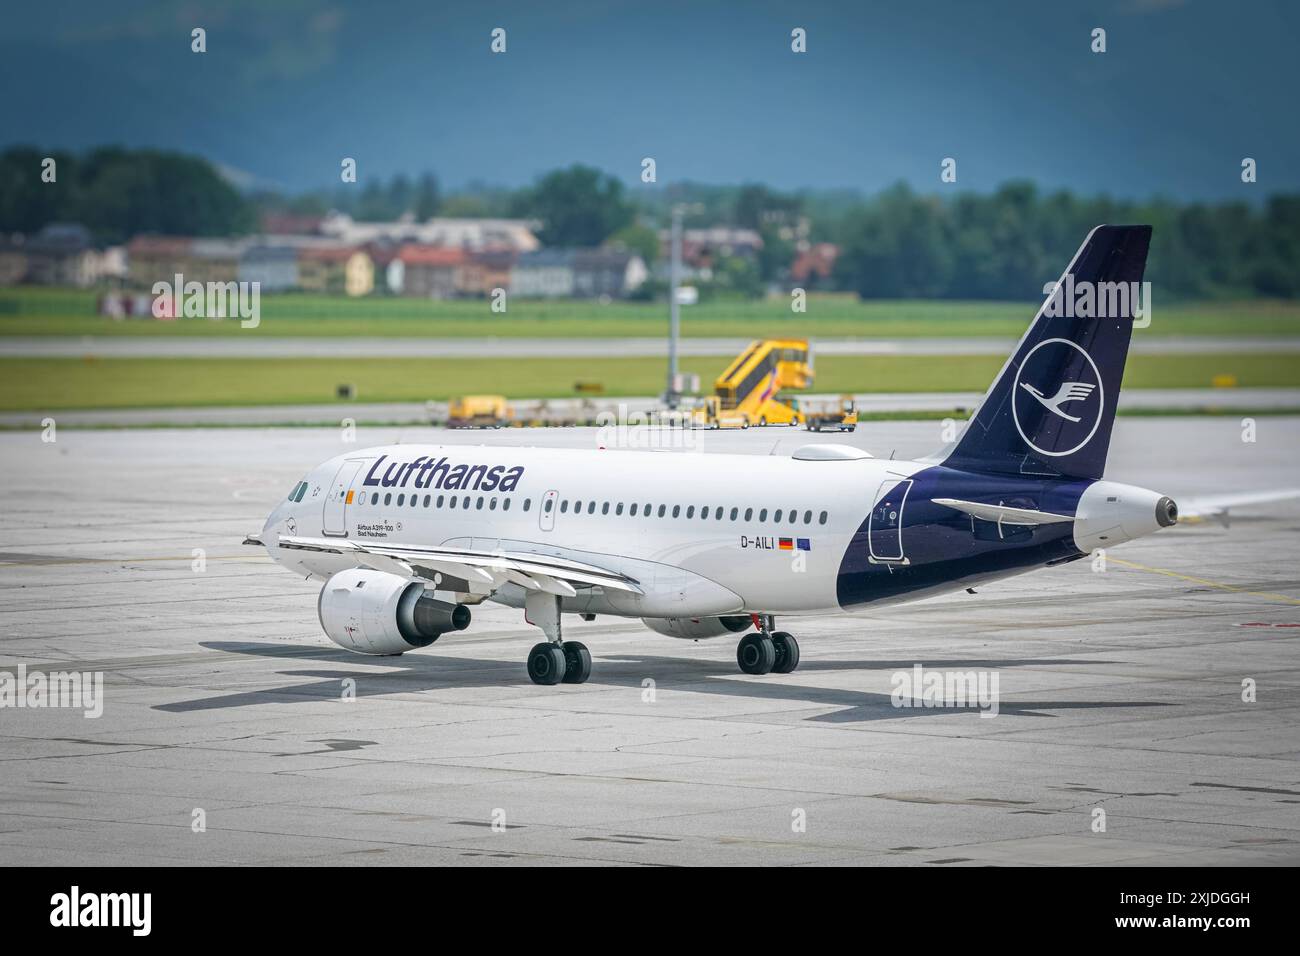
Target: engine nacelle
[374,612]
[694,628]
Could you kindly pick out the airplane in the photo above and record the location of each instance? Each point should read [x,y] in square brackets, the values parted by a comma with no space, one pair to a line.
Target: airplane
[408,538]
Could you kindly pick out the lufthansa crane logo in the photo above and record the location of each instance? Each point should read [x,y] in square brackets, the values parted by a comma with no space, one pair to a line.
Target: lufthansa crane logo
[1058,398]
[1069,392]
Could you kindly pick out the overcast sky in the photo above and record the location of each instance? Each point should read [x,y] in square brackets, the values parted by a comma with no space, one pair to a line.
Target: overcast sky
[712,91]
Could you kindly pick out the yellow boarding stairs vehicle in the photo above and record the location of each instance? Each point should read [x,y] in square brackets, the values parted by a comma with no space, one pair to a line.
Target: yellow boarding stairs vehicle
[747,392]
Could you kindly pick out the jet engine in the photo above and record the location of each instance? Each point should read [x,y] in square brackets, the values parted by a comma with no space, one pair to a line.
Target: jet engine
[374,612]
[694,628]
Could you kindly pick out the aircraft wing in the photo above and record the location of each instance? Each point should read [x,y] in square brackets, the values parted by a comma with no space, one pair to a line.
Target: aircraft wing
[1218,506]
[1002,513]
[534,572]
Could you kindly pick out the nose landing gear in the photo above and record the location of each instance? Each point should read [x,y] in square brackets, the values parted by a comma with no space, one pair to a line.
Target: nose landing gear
[767,651]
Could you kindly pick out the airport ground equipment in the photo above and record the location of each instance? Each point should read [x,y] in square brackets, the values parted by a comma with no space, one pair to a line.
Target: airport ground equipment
[748,391]
[842,417]
[479,411]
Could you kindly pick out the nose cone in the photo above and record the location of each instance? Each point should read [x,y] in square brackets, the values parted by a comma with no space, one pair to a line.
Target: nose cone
[279,521]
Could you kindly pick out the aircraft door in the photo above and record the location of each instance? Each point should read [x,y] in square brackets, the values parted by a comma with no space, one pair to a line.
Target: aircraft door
[885,531]
[340,496]
[546,514]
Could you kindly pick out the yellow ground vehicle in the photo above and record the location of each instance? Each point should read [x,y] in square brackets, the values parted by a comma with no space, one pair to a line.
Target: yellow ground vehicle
[479,411]
[843,418]
[747,392]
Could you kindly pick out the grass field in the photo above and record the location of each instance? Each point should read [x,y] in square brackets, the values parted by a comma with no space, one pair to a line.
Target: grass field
[52,384]
[34,311]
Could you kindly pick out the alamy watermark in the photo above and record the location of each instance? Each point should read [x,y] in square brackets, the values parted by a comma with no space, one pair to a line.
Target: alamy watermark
[36,689]
[1099,300]
[958,689]
[133,911]
[651,429]
[211,300]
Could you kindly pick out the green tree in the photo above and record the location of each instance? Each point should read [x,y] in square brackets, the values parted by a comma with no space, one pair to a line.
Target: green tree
[118,193]
[426,197]
[638,238]
[579,206]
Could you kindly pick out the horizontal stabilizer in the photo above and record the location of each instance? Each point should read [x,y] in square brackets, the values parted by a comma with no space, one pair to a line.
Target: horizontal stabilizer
[1003,514]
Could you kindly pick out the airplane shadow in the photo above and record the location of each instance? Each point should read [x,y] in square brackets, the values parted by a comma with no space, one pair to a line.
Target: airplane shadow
[413,673]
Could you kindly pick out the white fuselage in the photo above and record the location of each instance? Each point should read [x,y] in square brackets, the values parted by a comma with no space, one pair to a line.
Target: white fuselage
[703,534]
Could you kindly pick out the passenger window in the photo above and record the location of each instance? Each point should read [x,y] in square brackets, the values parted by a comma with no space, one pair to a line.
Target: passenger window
[577,507]
[718,516]
[441,499]
[677,509]
[632,510]
[807,517]
[492,504]
[662,509]
[777,516]
[451,502]
[762,515]
[564,506]
[619,509]
[427,499]
[749,513]
[464,502]
[528,504]
[479,506]
[604,509]
[734,512]
[388,498]
[821,519]
[505,505]
[591,507]
[374,499]
[401,500]
[550,503]
[690,511]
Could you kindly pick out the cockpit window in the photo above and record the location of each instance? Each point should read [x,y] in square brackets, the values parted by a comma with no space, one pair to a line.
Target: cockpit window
[298,489]
[301,491]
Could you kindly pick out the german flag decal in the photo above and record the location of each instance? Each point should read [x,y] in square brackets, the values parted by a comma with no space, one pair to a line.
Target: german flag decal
[787,544]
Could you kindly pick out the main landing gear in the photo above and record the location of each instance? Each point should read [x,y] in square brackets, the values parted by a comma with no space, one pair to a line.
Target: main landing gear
[767,651]
[552,663]
[554,660]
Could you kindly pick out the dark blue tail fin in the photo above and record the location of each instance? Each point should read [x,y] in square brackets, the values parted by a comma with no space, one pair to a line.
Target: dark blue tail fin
[1050,410]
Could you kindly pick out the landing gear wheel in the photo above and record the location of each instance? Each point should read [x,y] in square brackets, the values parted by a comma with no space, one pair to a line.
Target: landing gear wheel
[546,663]
[787,652]
[763,421]
[755,653]
[577,662]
